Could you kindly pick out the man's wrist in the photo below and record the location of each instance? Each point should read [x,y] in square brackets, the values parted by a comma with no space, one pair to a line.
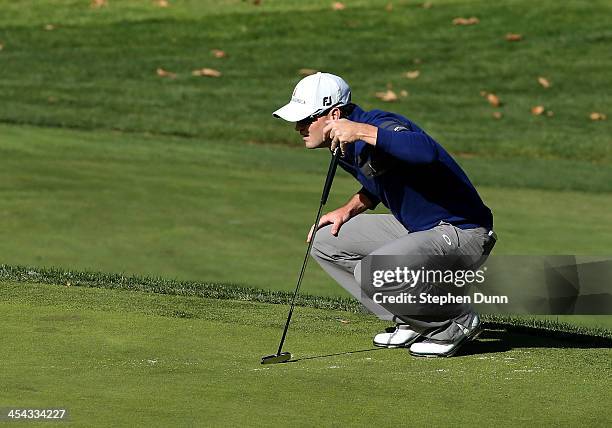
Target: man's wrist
[361,202]
[367,133]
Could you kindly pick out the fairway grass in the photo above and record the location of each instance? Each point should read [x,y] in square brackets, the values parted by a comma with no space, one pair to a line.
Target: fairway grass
[209,211]
[121,358]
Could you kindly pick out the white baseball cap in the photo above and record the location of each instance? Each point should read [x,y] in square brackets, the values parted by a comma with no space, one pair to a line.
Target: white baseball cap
[313,95]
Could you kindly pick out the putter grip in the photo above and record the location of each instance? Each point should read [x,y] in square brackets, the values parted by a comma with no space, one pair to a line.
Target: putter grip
[330,175]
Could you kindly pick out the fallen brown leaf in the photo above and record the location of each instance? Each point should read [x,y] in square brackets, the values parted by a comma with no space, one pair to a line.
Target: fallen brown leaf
[343,321]
[537,110]
[162,3]
[403,93]
[493,100]
[218,53]
[389,7]
[417,60]
[49,27]
[206,72]
[164,73]
[512,37]
[466,21]
[338,6]
[549,113]
[307,71]
[597,116]
[483,93]
[426,5]
[1,46]
[387,96]
[497,114]
[412,74]
[544,82]
[95,4]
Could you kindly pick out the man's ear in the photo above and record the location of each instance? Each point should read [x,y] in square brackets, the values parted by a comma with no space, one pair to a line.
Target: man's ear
[335,113]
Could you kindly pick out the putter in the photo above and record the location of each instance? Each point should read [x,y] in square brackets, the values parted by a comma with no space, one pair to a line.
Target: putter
[283,357]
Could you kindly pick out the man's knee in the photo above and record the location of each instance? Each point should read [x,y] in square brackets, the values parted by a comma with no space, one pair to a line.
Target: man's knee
[322,246]
[333,248]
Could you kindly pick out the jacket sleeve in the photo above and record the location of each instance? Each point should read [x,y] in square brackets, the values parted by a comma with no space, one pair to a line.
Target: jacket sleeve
[408,146]
[372,197]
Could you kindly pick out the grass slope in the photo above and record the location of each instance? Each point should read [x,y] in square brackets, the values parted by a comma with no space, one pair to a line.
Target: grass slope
[219,212]
[159,360]
[215,208]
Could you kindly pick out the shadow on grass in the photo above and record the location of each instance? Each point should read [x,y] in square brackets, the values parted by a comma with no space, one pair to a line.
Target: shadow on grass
[314,357]
[503,340]
[495,340]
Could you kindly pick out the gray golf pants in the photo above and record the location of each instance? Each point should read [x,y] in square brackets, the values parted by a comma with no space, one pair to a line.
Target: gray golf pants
[383,234]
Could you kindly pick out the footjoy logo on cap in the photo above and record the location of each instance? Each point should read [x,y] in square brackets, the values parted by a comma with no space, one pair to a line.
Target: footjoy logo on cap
[327,101]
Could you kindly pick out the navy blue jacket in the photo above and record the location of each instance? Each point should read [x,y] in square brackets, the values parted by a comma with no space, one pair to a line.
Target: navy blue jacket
[412,175]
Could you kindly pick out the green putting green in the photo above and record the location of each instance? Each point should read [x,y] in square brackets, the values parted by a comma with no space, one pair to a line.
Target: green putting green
[126,358]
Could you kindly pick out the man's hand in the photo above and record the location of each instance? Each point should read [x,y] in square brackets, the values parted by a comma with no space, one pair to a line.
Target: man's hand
[343,132]
[337,218]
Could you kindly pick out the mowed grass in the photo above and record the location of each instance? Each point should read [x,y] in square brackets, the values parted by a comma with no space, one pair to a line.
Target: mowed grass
[182,208]
[96,68]
[118,358]
[232,198]
[191,178]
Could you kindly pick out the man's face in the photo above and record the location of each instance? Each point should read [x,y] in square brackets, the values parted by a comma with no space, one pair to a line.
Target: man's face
[311,131]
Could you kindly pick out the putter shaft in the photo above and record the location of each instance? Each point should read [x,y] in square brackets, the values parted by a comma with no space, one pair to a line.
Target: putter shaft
[326,189]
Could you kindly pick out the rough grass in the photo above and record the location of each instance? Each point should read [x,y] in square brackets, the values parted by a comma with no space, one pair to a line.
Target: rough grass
[66,278]
[96,69]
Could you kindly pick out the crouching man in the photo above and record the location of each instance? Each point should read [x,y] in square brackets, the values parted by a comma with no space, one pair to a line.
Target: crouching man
[436,216]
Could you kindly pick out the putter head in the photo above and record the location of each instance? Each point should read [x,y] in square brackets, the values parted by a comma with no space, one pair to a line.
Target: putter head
[283,357]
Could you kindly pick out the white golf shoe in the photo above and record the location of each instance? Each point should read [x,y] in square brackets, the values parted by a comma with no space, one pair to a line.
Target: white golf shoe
[396,337]
[437,346]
